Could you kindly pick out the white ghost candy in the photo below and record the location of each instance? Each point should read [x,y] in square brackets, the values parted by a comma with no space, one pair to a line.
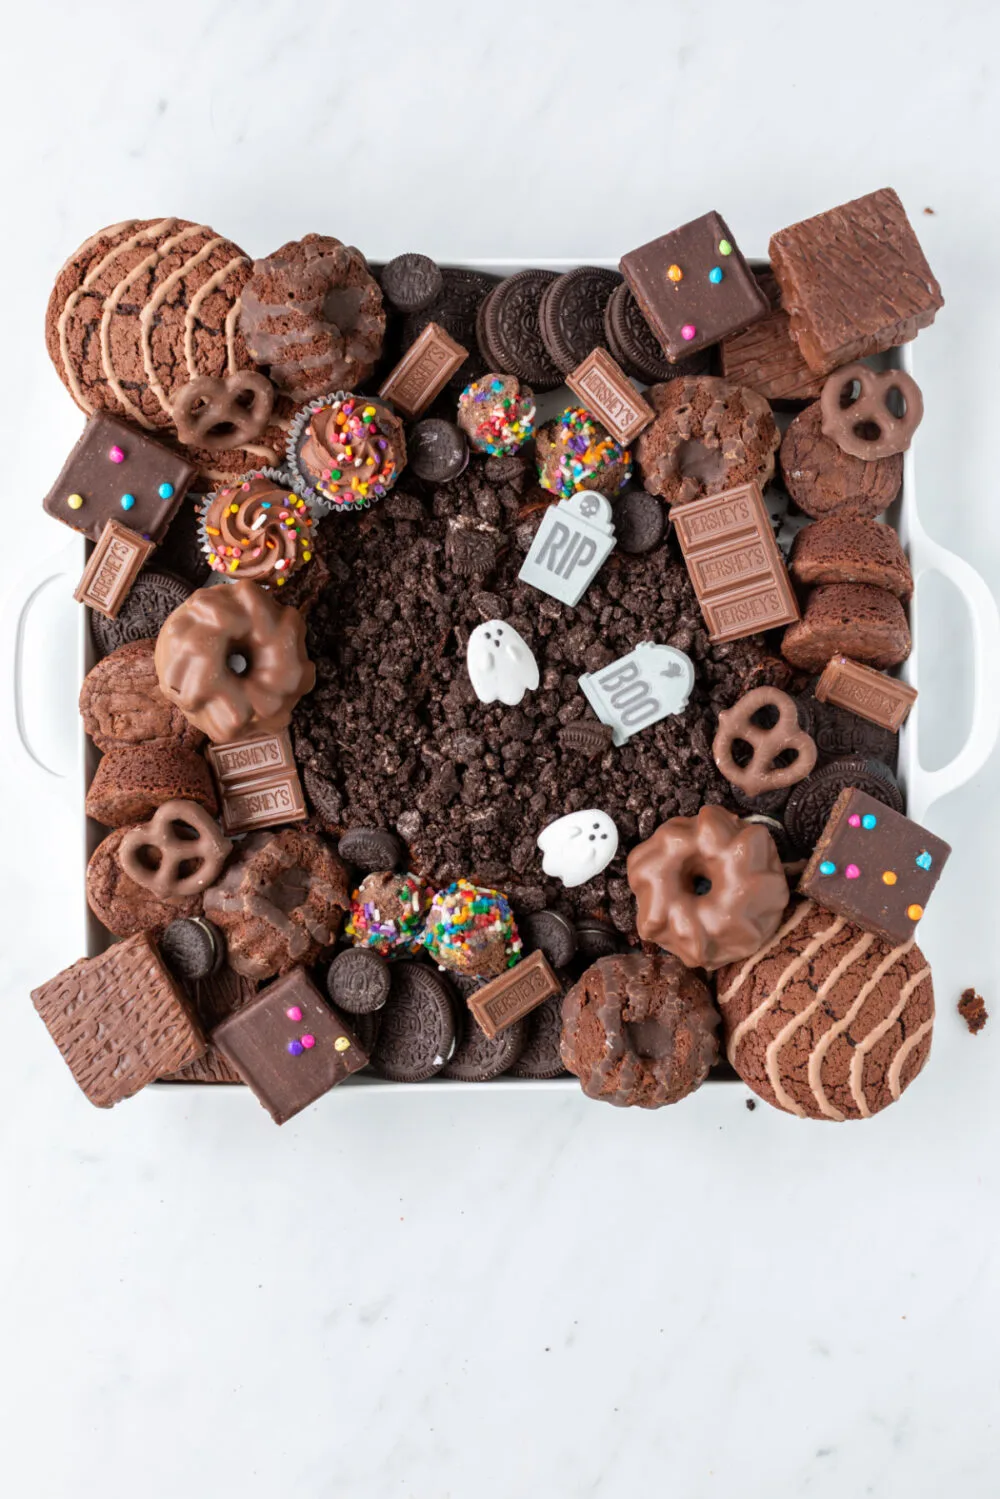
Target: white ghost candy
[578,846]
[502,666]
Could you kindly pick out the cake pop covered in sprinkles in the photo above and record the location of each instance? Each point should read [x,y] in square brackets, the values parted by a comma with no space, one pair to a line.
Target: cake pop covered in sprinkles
[387,912]
[345,451]
[497,414]
[471,930]
[575,452]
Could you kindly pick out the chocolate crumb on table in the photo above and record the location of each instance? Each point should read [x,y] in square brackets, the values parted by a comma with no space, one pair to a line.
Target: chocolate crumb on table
[973,1011]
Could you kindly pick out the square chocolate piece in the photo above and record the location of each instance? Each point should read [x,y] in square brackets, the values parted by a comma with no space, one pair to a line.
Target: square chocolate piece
[288,1046]
[116,473]
[874,866]
[423,371]
[868,693]
[258,782]
[693,286]
[120,1020]
[514,994]
[854,280]
[114,566]
[602,386]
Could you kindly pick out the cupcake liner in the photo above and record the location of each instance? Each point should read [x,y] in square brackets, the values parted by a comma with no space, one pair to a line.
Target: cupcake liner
[321,504]
[207,543]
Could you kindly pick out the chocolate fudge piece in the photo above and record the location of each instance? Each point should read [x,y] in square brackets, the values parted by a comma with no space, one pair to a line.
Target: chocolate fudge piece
[288,1046]
[693,286]
[120,1020]
[874,866]
[854,280]
[117,473]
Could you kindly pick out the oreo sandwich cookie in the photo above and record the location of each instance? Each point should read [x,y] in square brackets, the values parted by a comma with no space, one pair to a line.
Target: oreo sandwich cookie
[477,1059]
[541,1058]
[640,519]
[571,314]
[549,932]
[811,801]
[437,451]
[635,346]
[364,1028]
[358,981]
[509,334]
[840,734]
[192,948]
[372,849]
[152,597]
[416,1037]
[411,282]
[596,939]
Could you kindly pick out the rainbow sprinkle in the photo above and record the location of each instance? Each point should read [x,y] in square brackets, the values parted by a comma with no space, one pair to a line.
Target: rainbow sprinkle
[388,911]
[497,413]
[584,451]
[472,930]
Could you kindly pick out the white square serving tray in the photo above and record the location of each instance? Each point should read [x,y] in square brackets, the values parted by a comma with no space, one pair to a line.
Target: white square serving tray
[51,651]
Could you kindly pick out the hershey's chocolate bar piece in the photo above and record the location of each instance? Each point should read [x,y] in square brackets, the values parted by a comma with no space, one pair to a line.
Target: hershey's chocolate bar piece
[869,693]
[114,566]
[874,866]
[288,1045]
[514,994]
[602,386]
[258,782]
[120,1020]
[423,371]
[734,563]
[114,472]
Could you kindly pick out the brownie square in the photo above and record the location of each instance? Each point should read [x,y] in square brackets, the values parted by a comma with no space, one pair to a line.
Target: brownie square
[112,463]
[693,286]
[854,280]
[874,866]
[288,1046]
[119,1020]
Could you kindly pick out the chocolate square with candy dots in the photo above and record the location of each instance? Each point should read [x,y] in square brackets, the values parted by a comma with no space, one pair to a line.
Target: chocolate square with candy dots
[116,473]
[120,1020]
[288,1046]
[693,286]
[854,280]
[874,866]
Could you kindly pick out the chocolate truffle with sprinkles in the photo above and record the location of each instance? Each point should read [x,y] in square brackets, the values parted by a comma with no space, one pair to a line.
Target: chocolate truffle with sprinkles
[471,930]
[575,452]
[344,451]
[497,414]
[257,528]
[387,912]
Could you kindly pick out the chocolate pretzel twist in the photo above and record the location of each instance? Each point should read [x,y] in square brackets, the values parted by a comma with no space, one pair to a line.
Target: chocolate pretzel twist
[761,773]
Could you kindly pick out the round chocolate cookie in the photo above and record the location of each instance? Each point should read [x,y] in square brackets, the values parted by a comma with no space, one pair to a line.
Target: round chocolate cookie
[372,849]
[824,481]
[708,435]
[131,782]
[121,703]
[541,1058]
[868,624]
[478,1059]
[827,1021]
[455,310]
[551,933]
[840,734]
[841,549]
[192,948]
[152,597]
[777,830]
[811,801]
[358,981]
[508,332]
[639,1030]
[411,282]
[416,1037]
[436,450]
[364,1028]
[571,314]
[122,905]
[596,939]
[640,521]
[636,347]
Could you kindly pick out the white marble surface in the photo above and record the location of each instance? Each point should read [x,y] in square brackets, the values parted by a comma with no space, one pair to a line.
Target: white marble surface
[471,1294]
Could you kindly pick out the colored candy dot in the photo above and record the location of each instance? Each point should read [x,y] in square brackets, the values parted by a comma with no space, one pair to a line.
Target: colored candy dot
[674,273]
[165,491]
[854,820]
[889,877]
[914,912]
[128,500]
[295,1048]
[852,872]
[294,1013]
[827,867]
[341,1044]
[75,501]
[725,248]
[688,332]
[869,820]
[116,455]
[308,1042]
[715,275]
[924,860]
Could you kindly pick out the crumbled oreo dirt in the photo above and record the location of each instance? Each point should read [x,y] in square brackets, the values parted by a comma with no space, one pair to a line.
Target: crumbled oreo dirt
[394,736]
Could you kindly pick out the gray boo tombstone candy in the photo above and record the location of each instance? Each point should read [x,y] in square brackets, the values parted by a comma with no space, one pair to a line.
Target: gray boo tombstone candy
[640,688]
[576,536]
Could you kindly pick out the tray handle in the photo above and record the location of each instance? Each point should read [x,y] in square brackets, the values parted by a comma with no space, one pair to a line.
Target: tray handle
[63,563]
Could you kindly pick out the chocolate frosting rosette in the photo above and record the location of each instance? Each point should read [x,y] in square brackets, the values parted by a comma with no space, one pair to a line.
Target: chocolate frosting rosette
[345,451]
[257,528]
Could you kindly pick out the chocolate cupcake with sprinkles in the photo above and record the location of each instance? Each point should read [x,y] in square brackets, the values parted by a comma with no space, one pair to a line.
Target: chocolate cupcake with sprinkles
[345,451]
[257,529]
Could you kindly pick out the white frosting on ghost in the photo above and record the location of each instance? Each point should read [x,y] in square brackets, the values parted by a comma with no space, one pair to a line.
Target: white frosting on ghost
[502,666]
[578,846]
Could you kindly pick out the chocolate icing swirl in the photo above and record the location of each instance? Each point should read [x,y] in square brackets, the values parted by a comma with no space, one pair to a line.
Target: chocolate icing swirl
[257,529]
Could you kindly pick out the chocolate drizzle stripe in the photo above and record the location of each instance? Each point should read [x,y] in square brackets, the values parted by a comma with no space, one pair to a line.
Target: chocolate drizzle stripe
[750,1022]
[773,1052]
[873,1037]
[212,284]
[152,307]
[899,1060]
[827,1040]
[762,952]
[232,319]
[76,390]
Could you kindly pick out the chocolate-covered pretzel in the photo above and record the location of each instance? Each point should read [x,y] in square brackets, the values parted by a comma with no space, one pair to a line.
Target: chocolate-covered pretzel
[762,773]
[215,414]
[866,427]
[159,857]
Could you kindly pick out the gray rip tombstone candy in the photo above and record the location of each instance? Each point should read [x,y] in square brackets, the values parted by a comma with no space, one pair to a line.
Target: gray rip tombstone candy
[575,537]
[639,689]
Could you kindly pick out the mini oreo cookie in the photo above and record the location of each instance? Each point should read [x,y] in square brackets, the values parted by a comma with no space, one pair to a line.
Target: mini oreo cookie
[508,331]
[541,1058]
[635,346]
[358,981]
[411,282]
[549,932]
[371,849]
[596,939]
[153,596]
[477,1059]
[192,948]
[640,520]
[840,734]
[811,801]
[571,314]
[777,831]
[436,450]
[417,1035]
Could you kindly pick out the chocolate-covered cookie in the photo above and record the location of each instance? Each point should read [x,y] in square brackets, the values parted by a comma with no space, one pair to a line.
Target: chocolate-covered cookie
[508,331]
[121,703]
[811,802]
[708,435]
[152,598]
[571,314]
[416,1036]
[824,481]
[131,782]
